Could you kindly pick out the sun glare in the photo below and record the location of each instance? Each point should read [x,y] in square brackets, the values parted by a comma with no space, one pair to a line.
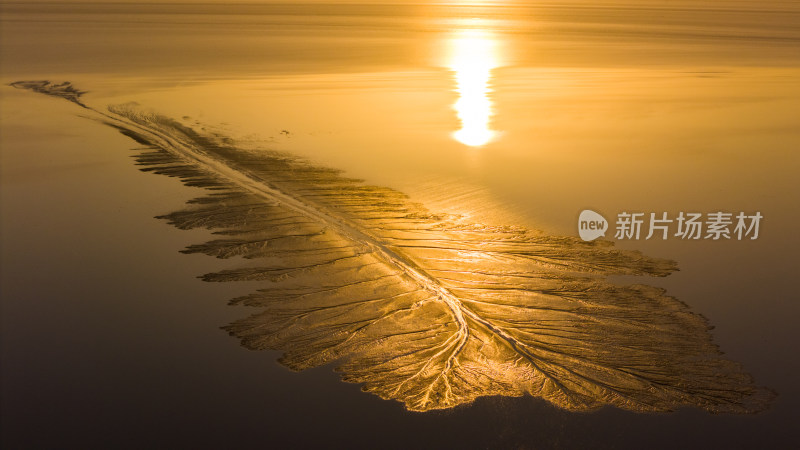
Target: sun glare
[473,56]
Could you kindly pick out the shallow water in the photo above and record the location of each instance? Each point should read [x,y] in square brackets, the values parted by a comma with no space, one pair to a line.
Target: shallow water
[606,107]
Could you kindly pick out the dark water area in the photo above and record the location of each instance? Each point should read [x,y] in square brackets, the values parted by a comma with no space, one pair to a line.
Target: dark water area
[508,114]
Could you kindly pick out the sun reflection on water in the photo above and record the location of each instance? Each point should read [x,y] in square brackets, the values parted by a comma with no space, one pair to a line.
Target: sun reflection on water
[473,56]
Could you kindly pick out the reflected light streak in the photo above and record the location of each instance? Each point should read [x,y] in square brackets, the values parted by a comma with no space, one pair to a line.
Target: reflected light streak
[473,56]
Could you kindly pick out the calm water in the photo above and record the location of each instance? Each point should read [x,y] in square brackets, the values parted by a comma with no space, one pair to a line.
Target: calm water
[510,113]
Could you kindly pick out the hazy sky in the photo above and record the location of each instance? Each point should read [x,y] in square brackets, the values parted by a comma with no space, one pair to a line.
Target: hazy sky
[742,5]
[785,3]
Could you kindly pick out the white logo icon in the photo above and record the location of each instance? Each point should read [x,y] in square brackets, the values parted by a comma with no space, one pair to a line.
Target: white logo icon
[591,225]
